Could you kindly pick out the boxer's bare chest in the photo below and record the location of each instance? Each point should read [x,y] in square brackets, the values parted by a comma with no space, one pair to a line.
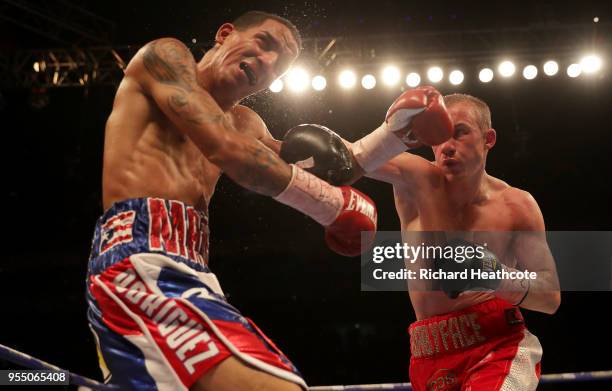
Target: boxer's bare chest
[490,220]
[146,155]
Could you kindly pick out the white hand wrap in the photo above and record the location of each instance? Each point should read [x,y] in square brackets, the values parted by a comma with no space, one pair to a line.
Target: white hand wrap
[377,148]
[312,196]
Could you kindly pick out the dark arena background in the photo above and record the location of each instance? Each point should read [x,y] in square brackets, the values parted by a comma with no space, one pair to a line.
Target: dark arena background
[60,64]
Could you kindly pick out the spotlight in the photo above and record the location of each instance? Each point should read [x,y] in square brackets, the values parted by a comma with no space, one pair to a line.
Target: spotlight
[551,68]
[413,79]
[298,80]
[590,63]
[506,69]
[347,79]
[530,72]
[574,70]
[368,82]
[456,77]
[319,83]
[435,74]
[276,86]
[485,75]
[391,75]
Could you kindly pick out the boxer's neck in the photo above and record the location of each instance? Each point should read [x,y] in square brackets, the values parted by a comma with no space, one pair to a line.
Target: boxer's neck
[468,190]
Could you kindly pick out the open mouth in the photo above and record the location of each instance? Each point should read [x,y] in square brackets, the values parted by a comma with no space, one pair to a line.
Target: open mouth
[249,72]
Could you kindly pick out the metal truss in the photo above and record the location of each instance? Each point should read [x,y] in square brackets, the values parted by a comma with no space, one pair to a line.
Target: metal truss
[103,65]
[73,67]
[61,21]
[471,46]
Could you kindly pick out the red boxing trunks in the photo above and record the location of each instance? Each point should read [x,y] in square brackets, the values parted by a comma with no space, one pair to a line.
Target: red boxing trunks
[482,347]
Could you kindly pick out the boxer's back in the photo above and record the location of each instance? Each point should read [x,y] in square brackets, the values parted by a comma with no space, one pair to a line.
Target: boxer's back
[144,155]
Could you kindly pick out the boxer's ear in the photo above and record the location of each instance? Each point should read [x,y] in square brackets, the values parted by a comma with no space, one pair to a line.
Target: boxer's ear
[224,31]
[490,138]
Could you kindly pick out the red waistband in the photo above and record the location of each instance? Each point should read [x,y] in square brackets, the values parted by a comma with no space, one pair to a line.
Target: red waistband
[463,329]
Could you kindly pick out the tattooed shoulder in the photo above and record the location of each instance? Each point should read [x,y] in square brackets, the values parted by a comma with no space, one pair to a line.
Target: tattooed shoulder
[169,61]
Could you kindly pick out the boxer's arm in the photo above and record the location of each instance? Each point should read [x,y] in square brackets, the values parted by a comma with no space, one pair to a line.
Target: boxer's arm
[533,254]
[166,71]
[248,121]
[416,117]
[404,170]
[269,141]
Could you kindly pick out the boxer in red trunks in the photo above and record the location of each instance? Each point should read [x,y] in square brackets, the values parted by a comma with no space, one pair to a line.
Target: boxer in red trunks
[478,340]
[469,335]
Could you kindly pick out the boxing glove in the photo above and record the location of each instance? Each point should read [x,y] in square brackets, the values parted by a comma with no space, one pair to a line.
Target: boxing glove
[416,117]
[319,151]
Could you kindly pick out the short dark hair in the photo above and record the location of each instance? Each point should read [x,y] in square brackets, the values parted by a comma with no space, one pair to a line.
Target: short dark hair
[255,18]
[482,111]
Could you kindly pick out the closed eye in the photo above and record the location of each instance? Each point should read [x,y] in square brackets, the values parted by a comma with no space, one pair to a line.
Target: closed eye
[268,43]
[265,44]
[461,131]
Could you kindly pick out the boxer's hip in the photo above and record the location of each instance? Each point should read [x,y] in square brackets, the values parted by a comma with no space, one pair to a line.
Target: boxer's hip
[464,329]
[150,225]
[159,315]
[482,347]
[160,324]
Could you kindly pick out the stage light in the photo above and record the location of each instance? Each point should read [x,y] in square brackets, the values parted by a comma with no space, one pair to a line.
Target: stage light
[390,75]
[551,68]
[413,79]
[590,63]
[319,83]
[276,86]
[39,66]
[456,77]
[347,79]
[506,69]
[297,80]
[485,75]
[435,74]
[530,72]
[368,82]
[574,70]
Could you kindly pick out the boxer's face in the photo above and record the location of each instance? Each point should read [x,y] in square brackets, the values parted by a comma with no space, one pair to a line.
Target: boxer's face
[248,61]
[465,153]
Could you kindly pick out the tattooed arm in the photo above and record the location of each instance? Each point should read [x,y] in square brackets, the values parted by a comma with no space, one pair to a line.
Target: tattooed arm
[166,70]
[246,120]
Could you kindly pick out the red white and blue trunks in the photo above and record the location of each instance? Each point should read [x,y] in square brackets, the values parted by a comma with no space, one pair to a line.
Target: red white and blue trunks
[159,315]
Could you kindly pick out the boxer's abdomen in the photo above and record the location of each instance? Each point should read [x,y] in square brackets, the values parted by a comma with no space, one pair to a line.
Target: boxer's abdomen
[146,156]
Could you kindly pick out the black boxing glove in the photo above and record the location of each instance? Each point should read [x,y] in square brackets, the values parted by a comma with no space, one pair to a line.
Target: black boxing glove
[319,151]
[485,260]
